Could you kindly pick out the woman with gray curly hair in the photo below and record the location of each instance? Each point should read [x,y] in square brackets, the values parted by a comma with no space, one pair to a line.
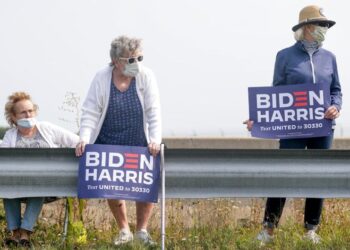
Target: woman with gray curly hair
[123,108]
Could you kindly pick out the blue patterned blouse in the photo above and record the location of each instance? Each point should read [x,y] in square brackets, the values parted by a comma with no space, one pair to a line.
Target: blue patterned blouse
[123,124]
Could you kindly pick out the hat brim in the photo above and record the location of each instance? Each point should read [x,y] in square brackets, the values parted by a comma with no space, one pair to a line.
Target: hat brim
[330,22]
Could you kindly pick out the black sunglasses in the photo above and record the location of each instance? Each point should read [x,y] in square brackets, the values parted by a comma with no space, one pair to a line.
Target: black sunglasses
[325,25]
[132,60]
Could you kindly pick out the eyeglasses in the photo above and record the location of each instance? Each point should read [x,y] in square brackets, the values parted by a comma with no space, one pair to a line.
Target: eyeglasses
[24,112]
[132,60]
[325,25]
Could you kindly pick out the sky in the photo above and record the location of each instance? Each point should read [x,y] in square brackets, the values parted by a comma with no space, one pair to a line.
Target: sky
[205,54]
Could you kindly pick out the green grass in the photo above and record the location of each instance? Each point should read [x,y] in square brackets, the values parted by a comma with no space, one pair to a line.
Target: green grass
[212,227]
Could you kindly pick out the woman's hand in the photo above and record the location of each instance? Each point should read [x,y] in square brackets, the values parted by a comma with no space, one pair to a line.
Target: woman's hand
[331,113]
[153,148]
[80,148]
[249,124]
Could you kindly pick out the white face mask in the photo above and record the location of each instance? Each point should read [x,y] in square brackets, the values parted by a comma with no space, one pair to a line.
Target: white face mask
[26,122]
[319,34]
[131,70]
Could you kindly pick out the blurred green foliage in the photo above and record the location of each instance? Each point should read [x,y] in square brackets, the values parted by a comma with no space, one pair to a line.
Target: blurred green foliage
[2,131]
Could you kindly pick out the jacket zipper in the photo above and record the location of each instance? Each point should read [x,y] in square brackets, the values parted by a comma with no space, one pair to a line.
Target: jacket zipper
[313,69]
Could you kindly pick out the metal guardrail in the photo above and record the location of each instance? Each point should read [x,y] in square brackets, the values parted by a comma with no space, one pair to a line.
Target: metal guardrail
[38,172]
[203,173]
[192,173]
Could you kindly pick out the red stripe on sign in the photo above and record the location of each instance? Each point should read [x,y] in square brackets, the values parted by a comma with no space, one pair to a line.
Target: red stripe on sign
[297,93]
[300,104]
[131,155]
[132,160]
[132,166]
[301,99]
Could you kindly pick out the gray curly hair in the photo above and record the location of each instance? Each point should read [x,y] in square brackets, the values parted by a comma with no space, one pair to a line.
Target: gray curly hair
[123,44]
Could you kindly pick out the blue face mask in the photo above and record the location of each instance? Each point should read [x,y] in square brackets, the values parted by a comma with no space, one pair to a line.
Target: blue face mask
[26,122]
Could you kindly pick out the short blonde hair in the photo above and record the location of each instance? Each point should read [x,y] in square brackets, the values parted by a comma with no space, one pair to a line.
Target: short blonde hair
[10,105]
[123,44]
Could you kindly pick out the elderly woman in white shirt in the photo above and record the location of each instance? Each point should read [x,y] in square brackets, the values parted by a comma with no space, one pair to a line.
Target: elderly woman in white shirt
[123,108]
[27,132]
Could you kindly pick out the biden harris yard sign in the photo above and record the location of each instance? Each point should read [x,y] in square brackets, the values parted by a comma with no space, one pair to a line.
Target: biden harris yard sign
[290,111]
[118,172]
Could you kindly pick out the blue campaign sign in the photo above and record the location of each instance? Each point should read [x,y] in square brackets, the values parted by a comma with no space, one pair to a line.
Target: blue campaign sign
[118,172]
[289,111]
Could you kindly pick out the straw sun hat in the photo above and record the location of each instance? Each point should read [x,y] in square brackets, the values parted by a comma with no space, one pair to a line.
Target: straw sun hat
[312,15]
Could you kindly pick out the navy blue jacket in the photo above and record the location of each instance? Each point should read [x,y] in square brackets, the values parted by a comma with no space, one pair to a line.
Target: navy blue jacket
[293,66]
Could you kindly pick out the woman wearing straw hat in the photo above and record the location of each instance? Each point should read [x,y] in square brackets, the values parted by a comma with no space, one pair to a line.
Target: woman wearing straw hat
[304,62]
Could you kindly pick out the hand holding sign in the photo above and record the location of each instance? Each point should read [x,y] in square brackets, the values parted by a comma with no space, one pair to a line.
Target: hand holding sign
[80,148]
[331,113]
[249,124]
[153,149]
